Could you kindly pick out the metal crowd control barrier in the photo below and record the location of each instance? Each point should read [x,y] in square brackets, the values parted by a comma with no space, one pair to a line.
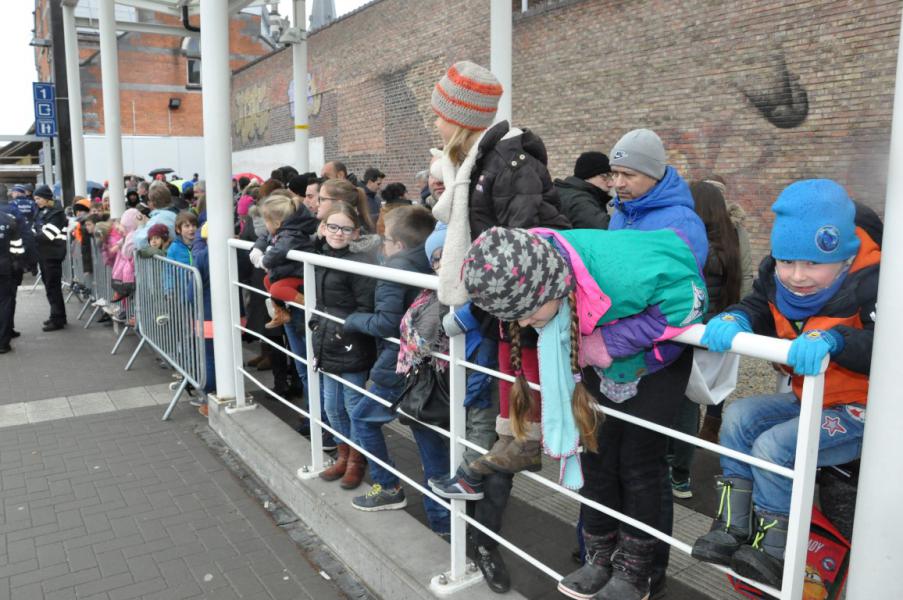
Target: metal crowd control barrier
[81,281]
[458,577]
[170,318]
[67,268]
[102,275]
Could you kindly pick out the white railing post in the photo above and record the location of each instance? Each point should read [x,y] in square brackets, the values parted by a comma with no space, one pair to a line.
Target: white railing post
[112,127]
[235,315]
[299,70]
[313,377]
[457,429]
[500,28]
[803,487]
[73,81]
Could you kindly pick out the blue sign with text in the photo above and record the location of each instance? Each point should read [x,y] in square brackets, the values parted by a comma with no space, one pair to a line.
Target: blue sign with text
[44,109]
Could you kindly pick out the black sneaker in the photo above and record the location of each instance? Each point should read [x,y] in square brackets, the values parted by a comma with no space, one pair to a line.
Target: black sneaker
[459,486]
[5,349]
[379,498]
[14,334]
[493,568]
[52,326]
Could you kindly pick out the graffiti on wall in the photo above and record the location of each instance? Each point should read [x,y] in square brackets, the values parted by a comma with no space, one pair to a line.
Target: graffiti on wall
[314,97]
[776,93]
[251,110]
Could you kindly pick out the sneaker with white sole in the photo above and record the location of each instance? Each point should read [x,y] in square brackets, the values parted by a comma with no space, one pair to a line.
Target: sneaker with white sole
[459,486]
[681,489]
[379,498]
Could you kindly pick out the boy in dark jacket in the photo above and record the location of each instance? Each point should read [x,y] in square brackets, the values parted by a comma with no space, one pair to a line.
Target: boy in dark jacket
[407,228]
[584,195]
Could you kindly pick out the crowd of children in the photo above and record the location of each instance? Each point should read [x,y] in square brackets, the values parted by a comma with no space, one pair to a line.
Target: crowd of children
[586,314]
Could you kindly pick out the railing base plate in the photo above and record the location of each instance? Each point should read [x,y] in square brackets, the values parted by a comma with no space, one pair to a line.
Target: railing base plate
[231,409]
[306,472]
[443,585]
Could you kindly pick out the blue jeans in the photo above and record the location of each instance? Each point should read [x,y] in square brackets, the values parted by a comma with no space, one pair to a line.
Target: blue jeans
[340,402]
[368,420]
[766,427]
[434,456]
[294,331]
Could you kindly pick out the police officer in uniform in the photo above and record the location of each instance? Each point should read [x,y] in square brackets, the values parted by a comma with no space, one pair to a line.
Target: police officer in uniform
[50,238]
[12,252]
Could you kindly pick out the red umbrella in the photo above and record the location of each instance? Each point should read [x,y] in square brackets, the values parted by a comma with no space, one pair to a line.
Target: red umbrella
[249,175]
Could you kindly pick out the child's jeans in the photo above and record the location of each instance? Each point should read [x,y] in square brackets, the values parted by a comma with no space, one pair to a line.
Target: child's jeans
[368,419]
[433,449]
[341,400]
[766,427]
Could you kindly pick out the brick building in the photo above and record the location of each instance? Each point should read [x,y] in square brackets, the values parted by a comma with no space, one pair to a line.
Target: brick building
[761,93]
[155,73]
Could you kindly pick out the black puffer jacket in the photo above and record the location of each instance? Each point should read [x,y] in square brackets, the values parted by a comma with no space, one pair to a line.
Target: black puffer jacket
[582,203]
[340,293]
[50,233]
[392,300]
[294,234]
[510,184]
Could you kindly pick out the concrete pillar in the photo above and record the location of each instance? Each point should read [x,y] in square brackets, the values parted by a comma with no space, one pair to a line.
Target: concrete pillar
[112,126]
[216,83]
[299,72]
[500,53]
[73,81]
[877,552]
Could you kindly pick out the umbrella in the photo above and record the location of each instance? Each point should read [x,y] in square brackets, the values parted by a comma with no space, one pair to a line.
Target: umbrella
[249,175]
[89,185]
[156,172]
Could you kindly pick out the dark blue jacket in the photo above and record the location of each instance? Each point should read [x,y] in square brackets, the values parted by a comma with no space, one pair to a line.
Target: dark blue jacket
[30,260]
[668,205]
[391,301]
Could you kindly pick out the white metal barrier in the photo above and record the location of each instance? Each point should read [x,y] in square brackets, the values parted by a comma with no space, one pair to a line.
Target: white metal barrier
[169,306]
[457,577]
[102,276]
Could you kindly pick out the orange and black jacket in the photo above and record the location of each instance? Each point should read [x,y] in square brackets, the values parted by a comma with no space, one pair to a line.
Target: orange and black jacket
[851,311]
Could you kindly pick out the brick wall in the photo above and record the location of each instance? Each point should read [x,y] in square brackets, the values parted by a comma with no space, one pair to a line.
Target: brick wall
[761,93]
[152,69]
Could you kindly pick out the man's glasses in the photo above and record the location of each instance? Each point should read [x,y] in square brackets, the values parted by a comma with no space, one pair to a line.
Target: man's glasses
[345,230]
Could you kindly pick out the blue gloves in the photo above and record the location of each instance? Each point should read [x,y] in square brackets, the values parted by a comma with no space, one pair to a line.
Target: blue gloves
[721,330]
[809,350]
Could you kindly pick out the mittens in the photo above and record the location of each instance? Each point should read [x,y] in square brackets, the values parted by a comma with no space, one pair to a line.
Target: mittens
[256,257]
[809,350]
[721,330]
[593,352]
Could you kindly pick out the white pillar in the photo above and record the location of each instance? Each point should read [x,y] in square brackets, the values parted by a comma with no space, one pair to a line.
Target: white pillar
[500,53]
[112,127]
[299,71]
[73,80]
[877,552]
[215,81]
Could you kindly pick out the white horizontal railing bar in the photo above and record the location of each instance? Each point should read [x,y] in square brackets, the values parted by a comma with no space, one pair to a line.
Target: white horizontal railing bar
[747,344]
[274,345]
[423,490]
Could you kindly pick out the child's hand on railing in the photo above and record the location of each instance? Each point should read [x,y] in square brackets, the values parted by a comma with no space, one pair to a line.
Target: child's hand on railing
[721,330]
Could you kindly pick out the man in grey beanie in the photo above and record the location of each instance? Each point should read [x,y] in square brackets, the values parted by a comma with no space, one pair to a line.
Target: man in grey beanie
[651,195]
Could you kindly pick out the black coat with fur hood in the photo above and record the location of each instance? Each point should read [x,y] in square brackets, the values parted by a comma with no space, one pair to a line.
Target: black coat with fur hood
[510,185]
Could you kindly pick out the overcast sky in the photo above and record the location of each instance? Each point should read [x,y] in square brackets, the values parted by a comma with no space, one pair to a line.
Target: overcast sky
[16,110]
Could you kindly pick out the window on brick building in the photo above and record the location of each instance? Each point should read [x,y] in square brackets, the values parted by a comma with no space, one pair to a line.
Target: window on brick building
[191,48]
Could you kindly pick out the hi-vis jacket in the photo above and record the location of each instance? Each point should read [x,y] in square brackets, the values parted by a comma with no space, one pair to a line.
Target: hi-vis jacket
[50,233]
[851,311]
[12,249]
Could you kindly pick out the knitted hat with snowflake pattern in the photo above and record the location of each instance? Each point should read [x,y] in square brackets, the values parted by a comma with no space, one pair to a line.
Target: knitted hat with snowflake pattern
[511,273]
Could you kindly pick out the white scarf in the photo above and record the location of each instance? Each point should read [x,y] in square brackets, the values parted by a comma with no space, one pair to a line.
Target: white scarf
[453,209]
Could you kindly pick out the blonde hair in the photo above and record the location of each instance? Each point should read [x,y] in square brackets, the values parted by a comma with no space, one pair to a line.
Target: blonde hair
[102,230]
[520,399]
[278,207]
[345,191]
[460,143]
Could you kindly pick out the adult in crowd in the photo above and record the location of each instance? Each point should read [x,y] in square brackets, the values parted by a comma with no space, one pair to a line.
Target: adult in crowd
[650,195]
[585,194]
[394,196]
[312,194]
[28,262]
[24,202]
[434,181]
[373,181]
[338,190]
[14,259]
[50,239]
[334,170]
[159,200]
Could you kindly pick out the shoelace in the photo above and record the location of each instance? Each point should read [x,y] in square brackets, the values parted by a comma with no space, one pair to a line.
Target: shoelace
[726,485]
[761,531]
[375,490]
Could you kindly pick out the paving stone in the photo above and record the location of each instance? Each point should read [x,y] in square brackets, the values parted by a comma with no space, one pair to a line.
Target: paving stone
[47,410]
[90,404]
[13,414]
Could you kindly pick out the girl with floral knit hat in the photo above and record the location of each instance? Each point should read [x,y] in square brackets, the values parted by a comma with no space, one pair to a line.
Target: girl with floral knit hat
[605,304]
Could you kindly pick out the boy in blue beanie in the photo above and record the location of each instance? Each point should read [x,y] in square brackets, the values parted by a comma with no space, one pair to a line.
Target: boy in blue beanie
[818,288]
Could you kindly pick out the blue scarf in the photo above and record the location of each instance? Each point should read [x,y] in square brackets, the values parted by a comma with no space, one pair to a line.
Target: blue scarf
[559,430]
[796,307]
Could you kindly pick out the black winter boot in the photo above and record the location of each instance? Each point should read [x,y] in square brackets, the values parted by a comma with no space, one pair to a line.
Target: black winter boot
[631,568]
[595,572]
[490,562]
[732,525]
[763,560]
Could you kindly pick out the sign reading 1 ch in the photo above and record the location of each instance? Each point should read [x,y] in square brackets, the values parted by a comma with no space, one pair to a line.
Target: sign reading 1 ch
[44,109]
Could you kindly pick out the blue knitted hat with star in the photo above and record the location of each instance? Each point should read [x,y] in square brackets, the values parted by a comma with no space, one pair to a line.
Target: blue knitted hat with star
[814,221]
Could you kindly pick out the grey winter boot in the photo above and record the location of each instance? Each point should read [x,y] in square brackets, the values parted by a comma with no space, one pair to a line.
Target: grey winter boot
[763,560]
[732,526]
[631,568]
[595,572]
